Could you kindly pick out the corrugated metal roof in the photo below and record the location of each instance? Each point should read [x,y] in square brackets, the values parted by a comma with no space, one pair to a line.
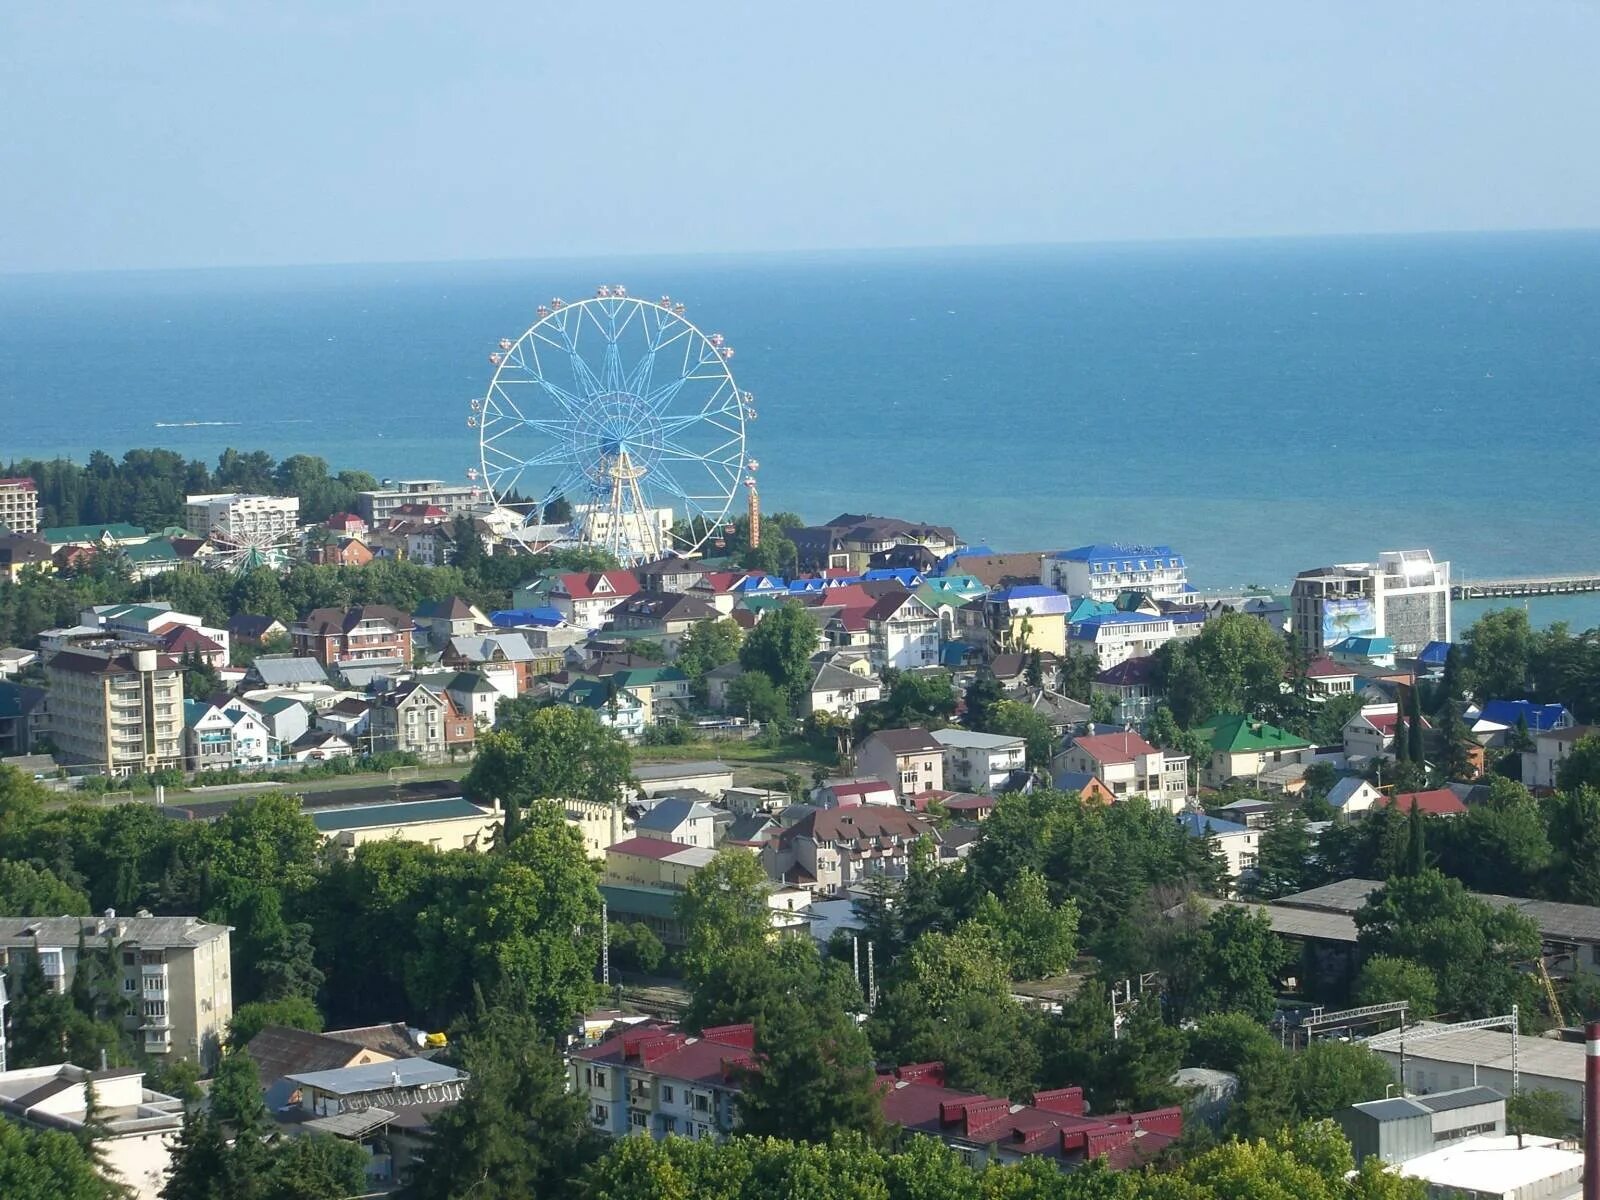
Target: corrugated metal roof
[375,816]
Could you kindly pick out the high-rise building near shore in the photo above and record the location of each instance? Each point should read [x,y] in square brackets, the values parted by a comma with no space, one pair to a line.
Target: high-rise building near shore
[19,505]
[1404,596]
[242,518]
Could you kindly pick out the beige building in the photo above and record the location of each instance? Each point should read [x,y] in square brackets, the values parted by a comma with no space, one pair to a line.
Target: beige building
[242,518]
[19,505]
[599,825]
[654,862]
[832,850]
[138,1127]
[115,710]
[175,973]
[909,759]
[449,823]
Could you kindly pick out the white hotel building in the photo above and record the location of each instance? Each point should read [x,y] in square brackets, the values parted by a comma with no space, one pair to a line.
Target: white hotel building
[1106,570]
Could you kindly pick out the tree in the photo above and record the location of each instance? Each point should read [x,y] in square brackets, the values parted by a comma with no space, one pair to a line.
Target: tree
[1473,950]
[1227,961]
[983,693]
[1236,665]
[1402,740]
[317,1167]
[1329,718]
[1581,767]
[45,1165]
[1416,842]
[1384,979]
[1039,937]
[781,646]
[634,947]
[723,909]
[30,891]
[517,1133]
[1499,652]
[1237,1043]
[1541,1112]
[1330,1075]
[1501,845]
[813,1076]
[1574,823]
[1285,861]
[1415,749]
[758,698]
[1015,719]
[1131,1070]
[912,698]
[707,646]
[555,753]
[291,1012]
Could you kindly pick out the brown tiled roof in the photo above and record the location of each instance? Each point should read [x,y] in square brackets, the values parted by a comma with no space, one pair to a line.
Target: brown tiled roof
[390,1039]
[907,741]
[279,1051]
[329,622]
[118,664]
[858,823]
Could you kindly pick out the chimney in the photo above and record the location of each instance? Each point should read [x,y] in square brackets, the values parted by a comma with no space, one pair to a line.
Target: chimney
[1591,1111]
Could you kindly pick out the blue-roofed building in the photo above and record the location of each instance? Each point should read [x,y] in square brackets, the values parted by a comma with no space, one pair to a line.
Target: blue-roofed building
[1103,570]
[1118,636]
[1028,616]
[1432,656]
[1363,651]
[906,577]
[516,618]
[1238,844]
[1541,718]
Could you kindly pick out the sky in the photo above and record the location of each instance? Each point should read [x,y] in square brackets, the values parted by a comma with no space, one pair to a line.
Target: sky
[314,131]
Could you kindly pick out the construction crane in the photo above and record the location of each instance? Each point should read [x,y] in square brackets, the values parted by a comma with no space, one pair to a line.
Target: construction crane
[1550,991]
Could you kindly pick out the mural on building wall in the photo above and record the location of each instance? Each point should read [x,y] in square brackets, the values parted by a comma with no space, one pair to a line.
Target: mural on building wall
[1353,617]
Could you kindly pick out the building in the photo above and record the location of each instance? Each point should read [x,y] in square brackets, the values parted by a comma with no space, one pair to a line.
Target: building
[415,719]
[1352,796]
[503,654]
[1539,718]
[1451,1059]
[1326,678]
[1129,766]
[1026,617]
[1238,844]
[665,616]
[678,819]
[657,1081]
[438,621]
[448,823]
[843,793]
[1400,1128]
[236,517]
[383,504]
[377,1086]
[653,862]
[583,598]
[1131,688]
[174,971]
[1105,570]
[369,635]
[19,505]
[24,717]
[1438,802]
[1404,596]
[910,759]
[980,762]
[1114,638]
[217,738]
[616,709]
[116,711]
[135,1128]
[832,850]
[902,632]
[851,539]
[1244,748]
[1541,766]
[1370,733]
[839,692]
[18,552]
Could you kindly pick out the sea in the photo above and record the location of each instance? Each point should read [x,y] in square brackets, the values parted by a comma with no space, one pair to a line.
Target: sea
[1261,406]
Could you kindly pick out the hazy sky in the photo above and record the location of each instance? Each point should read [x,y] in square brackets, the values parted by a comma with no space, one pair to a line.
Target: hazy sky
[195,134]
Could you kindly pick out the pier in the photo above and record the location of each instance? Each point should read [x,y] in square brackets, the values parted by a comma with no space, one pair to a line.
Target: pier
[1532,585]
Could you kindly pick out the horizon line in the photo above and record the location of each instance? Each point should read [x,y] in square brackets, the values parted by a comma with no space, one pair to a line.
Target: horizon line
[812,251]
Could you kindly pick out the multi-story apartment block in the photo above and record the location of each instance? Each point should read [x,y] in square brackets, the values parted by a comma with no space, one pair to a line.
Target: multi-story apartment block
[980,762]
[371,634]
[1104,571]
[902,632]
[1114,638]
[663,1082]
[834,849]
[1129,766]
[1404,596]
[380,505]
[174,972]
[909,759]
[116,710]
[1027,617]
[240,517]
[19,505]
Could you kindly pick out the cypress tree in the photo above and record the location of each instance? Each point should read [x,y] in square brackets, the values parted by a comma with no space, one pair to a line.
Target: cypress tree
[1417,843]
[1402,740]
[1417,753]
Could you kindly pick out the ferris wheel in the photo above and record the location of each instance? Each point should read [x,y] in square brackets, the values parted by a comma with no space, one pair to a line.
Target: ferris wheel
[623,407]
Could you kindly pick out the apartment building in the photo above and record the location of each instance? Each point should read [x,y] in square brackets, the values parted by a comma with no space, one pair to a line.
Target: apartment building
[384,503]
[902,632]
[239,517]
[416,719]
[1105,570]
[661,1082]
[910,759]
[832,850]
[1129,766]
[19,505]
[116,710]
[370,634]
[1404,596]
[174,972]
[980,762]
[217,737]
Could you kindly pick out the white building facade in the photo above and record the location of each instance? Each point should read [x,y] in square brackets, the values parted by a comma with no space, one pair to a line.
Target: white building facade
[1105,570]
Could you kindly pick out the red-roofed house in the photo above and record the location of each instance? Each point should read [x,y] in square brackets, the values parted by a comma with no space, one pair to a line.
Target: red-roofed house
[848,793]
[1128,766]
[1370,733]
[653,862]
[182,640]
[657,1080]
[1325,678]
[1440,802]
[346,525]
[587,599]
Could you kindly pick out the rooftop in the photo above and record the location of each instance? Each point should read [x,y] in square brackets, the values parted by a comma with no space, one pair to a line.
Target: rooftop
[1241,735]
[377,1077]
[1506,1165]
[176,933]
[968,739]
[412,812]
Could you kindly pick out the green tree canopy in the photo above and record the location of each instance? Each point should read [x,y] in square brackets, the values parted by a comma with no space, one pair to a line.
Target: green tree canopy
[781,646]
[1236,665]
[554,753]
[723,910]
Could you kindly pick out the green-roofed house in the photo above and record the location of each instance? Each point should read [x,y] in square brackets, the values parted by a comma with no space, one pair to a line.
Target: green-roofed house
[450,823]
[150,558]
[1245,748]
[652,685]
[616,707]
[99,537]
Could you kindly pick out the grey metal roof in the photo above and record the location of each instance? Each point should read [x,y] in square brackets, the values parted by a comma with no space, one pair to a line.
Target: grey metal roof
[681,770]
[372,1077]
[1459,1098]
[1556,922]
[1344,896]
[379,816]
[349,1124]
[278,670]
[1396,1108]
[154,932]
[672,812]
[1295,922]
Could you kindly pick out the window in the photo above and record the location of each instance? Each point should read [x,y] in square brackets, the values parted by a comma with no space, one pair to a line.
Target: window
[702,1102]
[636,1119]
[129,958]
[601,1114]
[599,1079]
[130,984]
[666,1093]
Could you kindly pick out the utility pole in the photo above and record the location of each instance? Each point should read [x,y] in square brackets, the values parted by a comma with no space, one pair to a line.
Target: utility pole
[605,943]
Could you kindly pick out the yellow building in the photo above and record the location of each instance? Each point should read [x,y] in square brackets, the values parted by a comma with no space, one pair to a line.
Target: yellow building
[654,862]
[451,823]
[599,825]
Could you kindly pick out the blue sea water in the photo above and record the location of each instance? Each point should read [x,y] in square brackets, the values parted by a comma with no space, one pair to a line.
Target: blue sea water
[1263,406]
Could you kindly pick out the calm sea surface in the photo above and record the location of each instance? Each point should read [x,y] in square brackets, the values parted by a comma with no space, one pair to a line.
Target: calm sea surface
[1263,406]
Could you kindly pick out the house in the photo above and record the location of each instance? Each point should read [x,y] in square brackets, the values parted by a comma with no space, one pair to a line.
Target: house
[653,862]
[319,745]
[475,696]
[1131,688]
[670,574]
[980,762]
[947,594]
[1352,797]
[285,671]
[383,504]
[1326,678]
[1370,733]
[1114,638]
[439,621]
[368,635]
[216,738]
[1244,748]
[375,1088]
[149,558]
[1540,718]
[133,1127]
[718,680]
[851,539]
[1238,844]
[343,552]
[117,711]
[19,552]
[93,537]
[910,759]
[285,717]
[617,709]
[584,598]
[1363,651]
[839,692]
[1128,766]
[832,850]
[666,617]
[350,718]
[1083,786]
[677,819]
[177,967]
[23,718]
[1439,802]
[657,1081]
[14,660]
[279,1051]
[653,686]
[902,632]
[416,719]
[844,793]
[507,649]
[1105,570]
[1541,766]
[1026,617]
[1064,714]
[252,630]
[346,525]
[445,823]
